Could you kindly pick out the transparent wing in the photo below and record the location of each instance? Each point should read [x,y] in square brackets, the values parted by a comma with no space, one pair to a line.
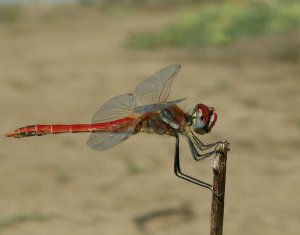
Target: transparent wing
[155,107]
[106,140]
[150,92]
[156,88]
[116,108]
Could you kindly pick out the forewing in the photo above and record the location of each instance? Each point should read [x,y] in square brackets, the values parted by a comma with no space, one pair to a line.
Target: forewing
[155,107]
[116,108]
[156,88]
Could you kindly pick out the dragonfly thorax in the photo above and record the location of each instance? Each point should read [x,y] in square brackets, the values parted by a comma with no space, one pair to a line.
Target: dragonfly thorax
[167,117]
[203,118]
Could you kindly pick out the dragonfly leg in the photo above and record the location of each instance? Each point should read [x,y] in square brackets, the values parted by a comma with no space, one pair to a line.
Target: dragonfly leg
[200,145]
[196,153]
[180,174]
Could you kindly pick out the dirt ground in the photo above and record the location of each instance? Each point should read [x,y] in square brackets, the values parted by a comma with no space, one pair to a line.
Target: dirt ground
[60,70]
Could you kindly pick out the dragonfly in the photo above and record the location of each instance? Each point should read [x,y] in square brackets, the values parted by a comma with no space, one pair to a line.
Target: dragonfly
[146,109]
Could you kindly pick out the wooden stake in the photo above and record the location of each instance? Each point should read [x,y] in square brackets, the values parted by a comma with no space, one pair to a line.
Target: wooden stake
[217,206]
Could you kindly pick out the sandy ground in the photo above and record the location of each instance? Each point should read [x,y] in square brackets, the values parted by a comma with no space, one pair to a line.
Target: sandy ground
[62,70]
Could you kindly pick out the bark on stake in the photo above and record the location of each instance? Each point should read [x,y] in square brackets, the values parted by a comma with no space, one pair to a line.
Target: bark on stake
[217,206]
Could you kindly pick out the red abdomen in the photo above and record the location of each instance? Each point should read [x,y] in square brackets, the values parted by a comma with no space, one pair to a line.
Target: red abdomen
[39,130]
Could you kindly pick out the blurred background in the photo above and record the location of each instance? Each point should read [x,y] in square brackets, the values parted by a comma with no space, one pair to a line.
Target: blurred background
[61,59]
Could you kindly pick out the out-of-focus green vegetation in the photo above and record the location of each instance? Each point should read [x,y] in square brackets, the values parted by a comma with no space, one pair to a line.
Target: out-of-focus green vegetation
[296,120]
[16,219]
[136,2]
[220,24]
[132,167]
[10,13]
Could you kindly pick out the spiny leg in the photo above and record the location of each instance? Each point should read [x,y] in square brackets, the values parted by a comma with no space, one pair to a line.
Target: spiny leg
[180,174]
[195,153]
[200,145]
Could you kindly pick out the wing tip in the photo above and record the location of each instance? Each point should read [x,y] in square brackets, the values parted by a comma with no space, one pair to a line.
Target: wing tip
[177,66]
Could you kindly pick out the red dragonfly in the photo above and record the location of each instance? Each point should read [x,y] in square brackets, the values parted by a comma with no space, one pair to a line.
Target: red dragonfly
[144,110]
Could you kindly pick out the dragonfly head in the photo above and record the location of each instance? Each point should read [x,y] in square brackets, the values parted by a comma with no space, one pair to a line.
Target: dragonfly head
[203,119]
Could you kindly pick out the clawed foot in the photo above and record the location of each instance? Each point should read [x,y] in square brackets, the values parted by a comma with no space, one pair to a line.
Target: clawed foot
[218,195]
[222,147]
